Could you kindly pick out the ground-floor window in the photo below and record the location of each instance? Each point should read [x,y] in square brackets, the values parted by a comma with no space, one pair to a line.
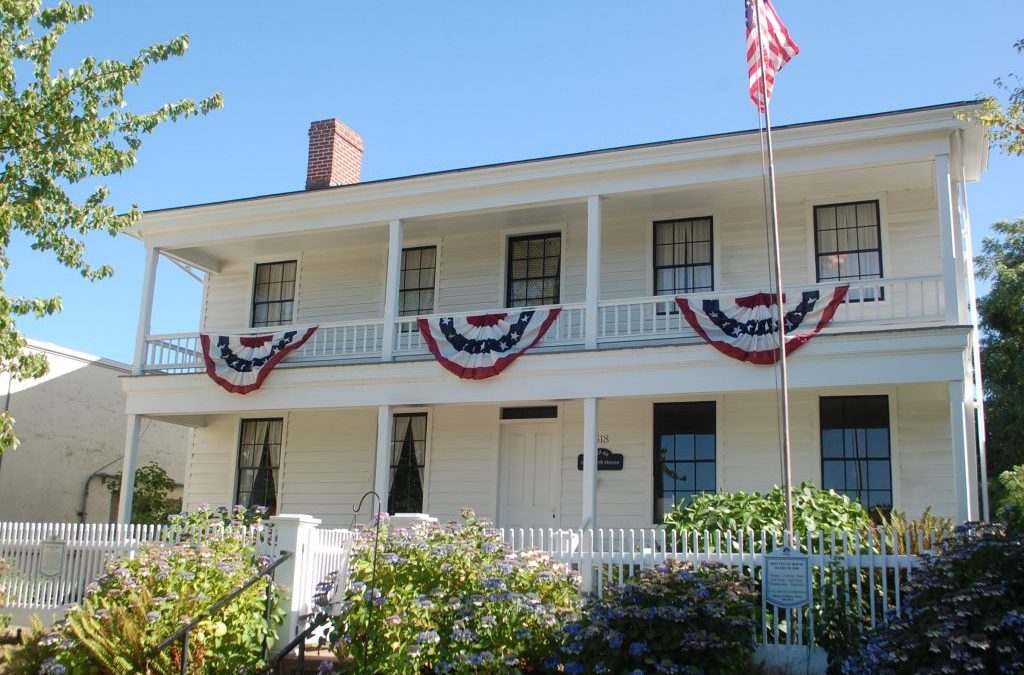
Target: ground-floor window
[259,463]
[856,458]
[684,453]
[408,460]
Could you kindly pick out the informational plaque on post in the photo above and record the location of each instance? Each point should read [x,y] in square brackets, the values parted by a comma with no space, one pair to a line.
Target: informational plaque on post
[51,558]
[787,579]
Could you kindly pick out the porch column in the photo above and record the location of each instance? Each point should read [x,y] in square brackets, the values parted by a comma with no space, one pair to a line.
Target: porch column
[382,465]
[593,293]
[589,519]
[950,280]
[145,310]
[131,461]
[962,488]
[391,289]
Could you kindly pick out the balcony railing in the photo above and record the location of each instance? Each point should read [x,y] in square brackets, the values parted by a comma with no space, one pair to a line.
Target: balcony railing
[878,302]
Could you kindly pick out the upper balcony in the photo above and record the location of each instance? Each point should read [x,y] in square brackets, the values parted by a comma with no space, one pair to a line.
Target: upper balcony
[654,320]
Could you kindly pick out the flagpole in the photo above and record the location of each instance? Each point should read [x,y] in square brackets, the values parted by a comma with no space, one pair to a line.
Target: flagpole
[787,470]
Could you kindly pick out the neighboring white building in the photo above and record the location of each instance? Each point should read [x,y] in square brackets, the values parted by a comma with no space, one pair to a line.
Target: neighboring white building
[71,423]
[883,400]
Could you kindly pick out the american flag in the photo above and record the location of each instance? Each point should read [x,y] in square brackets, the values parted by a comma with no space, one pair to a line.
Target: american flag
[776,48]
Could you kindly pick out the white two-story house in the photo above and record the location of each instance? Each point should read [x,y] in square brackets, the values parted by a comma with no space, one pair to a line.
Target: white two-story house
[883,398]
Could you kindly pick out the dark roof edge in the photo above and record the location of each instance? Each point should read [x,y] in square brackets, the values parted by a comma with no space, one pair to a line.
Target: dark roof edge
[570,155]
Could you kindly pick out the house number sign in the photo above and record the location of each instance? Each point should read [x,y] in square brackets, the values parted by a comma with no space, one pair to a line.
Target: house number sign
[51,558]
[606,460]
[787,579]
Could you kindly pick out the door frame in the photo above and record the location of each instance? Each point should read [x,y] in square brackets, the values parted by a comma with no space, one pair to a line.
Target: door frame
[556,462]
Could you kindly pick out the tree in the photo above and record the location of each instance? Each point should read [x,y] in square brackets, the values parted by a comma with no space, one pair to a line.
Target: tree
[1007,124]
[59,132]
[1002,325]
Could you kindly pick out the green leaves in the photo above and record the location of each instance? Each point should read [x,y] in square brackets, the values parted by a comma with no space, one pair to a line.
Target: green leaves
[1006,124]
[60,128]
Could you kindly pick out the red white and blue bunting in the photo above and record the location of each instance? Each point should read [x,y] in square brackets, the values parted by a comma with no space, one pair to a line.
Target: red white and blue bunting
[481,346]
[240,363]
[746,329]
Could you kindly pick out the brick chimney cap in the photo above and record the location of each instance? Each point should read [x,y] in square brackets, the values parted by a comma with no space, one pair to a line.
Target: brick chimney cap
[340,128]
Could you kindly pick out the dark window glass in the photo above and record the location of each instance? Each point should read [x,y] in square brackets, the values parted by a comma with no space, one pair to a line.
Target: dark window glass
[273,294]
[855,450]
[682,256]
[684,453]
[534,270]
[848,241]
[259,463]
[408,459]
[540,412]
[416,294]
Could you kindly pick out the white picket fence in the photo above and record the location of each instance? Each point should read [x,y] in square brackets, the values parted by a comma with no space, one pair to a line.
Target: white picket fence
[858,578]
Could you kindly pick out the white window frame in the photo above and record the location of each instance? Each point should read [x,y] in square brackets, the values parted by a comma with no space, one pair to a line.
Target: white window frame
[507,233]
[883,233]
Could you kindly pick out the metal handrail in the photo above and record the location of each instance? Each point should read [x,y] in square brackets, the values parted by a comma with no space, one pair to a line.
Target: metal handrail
[182,632]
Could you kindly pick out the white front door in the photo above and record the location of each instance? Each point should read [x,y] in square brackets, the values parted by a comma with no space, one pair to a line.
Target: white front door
[529,486]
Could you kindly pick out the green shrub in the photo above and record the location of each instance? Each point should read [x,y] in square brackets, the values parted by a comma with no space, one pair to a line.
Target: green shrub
[450,599]
[672,619]
[140,602]
[151,503]
[963,612]
[814,510]
[1011,506]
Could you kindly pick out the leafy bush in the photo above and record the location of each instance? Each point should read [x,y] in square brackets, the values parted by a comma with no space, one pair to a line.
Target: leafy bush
[928,529]
[151,502]
[814,510]
[673,619]
[963,612]
[140,602]
[1011,506]
[450,599]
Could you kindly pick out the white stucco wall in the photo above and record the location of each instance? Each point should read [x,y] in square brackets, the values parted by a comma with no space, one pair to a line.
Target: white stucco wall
[72,423]
[328,455]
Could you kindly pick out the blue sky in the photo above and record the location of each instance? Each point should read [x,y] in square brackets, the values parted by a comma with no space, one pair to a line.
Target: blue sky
[458,83]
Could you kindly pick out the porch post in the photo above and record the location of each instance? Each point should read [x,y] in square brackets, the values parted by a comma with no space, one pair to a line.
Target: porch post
[131,461]
[297,576]
[589,463]
[391,288]
[382,465]
[950,254]
[962,488]
[593,292]
[145,310]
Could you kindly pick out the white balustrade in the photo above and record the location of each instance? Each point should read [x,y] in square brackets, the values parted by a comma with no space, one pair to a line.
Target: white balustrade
[882,302]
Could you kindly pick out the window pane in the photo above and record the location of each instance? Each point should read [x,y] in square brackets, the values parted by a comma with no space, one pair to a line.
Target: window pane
[854,429]
[853,231]
[534,259]
[683,431]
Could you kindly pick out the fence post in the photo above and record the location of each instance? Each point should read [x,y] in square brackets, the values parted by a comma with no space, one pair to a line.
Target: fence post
[294,532]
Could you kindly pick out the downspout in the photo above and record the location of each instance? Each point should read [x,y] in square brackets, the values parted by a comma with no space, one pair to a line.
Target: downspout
[98,473]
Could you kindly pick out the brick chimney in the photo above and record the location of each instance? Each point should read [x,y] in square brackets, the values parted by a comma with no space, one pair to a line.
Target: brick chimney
[335,155]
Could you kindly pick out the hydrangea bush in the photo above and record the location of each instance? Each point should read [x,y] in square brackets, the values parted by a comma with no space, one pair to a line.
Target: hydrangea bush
[450,599]
[963,611]
[141,601]
[673,619]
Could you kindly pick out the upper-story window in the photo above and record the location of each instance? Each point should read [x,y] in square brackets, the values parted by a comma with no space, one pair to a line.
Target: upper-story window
[848,241]
[416,295]
[273,294]
[534,270]
[682,256]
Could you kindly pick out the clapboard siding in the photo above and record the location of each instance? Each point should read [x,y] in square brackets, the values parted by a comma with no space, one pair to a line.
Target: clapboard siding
[228,301]
[924,453]
[342,285]
[463,461]
[328,463]
[211,464]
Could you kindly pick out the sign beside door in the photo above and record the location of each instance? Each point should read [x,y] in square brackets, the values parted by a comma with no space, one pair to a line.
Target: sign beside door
[606,460]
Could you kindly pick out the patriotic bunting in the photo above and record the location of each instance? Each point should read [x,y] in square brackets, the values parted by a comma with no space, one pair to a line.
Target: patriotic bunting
[240,363]
[747,329]
[478,347]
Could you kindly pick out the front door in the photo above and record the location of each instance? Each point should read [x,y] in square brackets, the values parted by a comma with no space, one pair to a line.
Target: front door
[528,489]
